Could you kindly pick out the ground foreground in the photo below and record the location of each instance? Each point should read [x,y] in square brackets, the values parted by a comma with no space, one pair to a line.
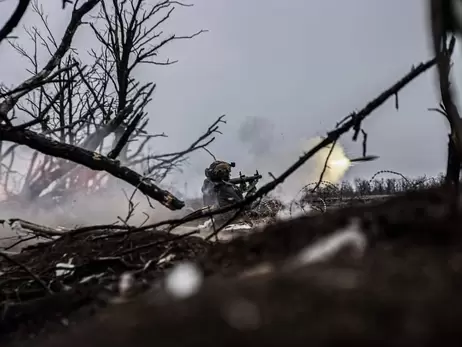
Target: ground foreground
[395,281]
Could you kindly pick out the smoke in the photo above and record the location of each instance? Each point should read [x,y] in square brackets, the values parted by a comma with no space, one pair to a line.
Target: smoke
[311,171]
[277,159]
[82,210]
[268,153]
[112,204]
[258,134]
[337,165]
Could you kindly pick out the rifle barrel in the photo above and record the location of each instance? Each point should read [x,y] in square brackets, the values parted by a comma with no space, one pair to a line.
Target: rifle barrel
[245,179]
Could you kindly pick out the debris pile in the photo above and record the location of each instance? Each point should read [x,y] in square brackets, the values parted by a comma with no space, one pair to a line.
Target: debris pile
[84,269]
[356,253]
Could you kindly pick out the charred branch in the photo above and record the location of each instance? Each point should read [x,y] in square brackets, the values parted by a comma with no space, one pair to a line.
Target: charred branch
[202,142]
[125,136]
[14,20]
[80,107]
[91,160]
[8,104]
[442,25]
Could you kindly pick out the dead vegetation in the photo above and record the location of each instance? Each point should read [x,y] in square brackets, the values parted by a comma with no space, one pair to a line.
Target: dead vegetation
[290,296]
[385,272]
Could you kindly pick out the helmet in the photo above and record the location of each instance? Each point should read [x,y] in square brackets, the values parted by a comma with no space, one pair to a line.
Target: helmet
[219,170]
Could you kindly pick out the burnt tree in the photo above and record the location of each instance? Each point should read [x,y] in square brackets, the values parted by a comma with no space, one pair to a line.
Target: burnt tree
[92,114]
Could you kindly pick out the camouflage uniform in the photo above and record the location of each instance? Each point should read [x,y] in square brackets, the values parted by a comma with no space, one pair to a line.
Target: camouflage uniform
[218,192]
[209,196]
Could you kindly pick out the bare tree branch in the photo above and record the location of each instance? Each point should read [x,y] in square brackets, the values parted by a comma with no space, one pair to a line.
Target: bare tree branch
[7,105]
[75,114]
[14,20]
[440,29]
[91,160]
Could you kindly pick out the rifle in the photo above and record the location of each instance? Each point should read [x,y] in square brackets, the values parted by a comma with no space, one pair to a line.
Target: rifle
[247,184]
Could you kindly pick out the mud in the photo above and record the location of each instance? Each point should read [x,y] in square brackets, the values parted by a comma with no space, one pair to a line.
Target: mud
[402,289]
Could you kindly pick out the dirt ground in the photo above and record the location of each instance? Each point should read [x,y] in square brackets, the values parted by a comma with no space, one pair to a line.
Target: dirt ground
[402,289]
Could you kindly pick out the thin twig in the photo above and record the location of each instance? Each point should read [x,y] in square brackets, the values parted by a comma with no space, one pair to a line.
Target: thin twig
[326,164]
[14,19]
[25,268]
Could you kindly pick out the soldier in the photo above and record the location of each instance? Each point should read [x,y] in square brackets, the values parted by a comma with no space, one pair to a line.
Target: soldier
[217,190]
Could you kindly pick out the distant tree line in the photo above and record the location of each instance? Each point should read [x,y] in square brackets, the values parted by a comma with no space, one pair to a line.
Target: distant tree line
[375,186]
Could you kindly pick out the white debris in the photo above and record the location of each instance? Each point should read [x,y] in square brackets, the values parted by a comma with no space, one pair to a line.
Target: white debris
[16,226]
[89,278]
[260,269]
[327,247]
[147,265]
[209,225]
[63,269]
[166,259]
[237,226]
[184,280]
[126,282]
[10,252]
[207,228]
[287,213]
[206,225]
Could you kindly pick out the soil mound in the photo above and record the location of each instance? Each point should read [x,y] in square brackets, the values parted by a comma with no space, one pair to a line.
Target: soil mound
[399,285]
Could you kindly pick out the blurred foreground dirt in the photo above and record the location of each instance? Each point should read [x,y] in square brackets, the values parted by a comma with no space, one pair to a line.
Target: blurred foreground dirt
[404,289]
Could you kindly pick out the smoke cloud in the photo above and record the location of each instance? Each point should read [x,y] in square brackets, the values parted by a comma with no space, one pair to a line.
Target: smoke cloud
[79,209]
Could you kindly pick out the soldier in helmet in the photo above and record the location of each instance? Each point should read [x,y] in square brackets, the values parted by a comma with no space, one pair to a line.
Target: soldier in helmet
[217,190]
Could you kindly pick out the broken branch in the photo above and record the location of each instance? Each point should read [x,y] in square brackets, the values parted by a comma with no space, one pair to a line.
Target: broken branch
[91,160]
[14,19]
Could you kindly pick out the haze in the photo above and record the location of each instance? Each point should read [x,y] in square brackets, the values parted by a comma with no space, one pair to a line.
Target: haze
[284,72]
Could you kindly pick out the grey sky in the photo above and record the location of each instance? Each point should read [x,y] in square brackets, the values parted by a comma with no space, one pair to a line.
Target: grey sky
[297,65]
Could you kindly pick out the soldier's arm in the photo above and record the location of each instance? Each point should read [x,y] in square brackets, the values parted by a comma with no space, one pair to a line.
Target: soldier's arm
[228,195]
